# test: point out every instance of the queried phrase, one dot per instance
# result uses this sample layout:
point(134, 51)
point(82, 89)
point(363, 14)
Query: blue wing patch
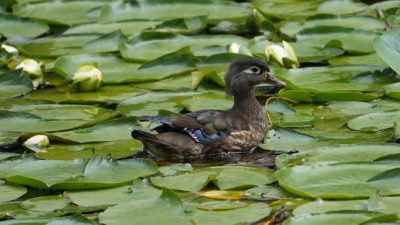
point(199, 136)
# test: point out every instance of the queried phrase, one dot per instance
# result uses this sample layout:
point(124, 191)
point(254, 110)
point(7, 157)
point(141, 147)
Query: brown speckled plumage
point(205, 132)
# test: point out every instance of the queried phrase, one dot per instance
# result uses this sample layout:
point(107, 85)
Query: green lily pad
point(26, 222)
point(107, 93)
point(126, 27)
point(341, 7)
point(79, 174)
point(116, 71)
point(224, 177)
point(375, 203)
point(188, 25)
point(10, 192)
point(167, 207)
point(13, 83)
point(221, 205)
point(141, 47)
point(49, 117)
point(287, 9)
point(349, 39)
point(237, 177)
point(63, 12)
point(375, 121)
point(150, 104)
point(46, 203)
point(192, 182)
point(140, 190)
point(387, 46)
point(55, 45)
point(265, 193)
point(13, 26)
point(243, 215)
point(334, 218)
point(341, 154)
point(359, 22)
point(10, 162)
point(336, 79)
point(343, 180)
point(179, 83)
point(288, 140)
point(369, 59)
point(74, 219)
point(166, 10)
point(111, 130)
point(116, 149)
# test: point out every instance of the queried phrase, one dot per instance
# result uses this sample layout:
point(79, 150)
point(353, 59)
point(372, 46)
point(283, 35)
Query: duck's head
point(245, 73)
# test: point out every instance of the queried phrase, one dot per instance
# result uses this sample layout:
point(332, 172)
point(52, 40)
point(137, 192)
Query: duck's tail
point(143, 136)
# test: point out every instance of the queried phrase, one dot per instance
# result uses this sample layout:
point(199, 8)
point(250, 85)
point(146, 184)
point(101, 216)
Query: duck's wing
point(203, 126)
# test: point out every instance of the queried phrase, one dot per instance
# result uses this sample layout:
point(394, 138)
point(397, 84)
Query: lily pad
point(375, 121)
point(387, 46)
point(140, 190)
point(369, 59)
point(13, 26)
point(13, 83)
point(252, 213)
point(340, 7)
point(63, 12)
point(359, 22)
point(141, 47)
point(288, 140)
point(336, 78)
point(150, 104)
point(343, 180)
point(126, 27)
point(224, 177)
point(111, 130)
point(334, 218)
point(42, 118)
point(374, 203)
point(45, 203)
point(108, 93)
point(342, 154)
point(117, 71)
point(79, 174)
point(10, 192)
point(52, 46)
point(116, 149)
point(193, 182)
point(288, 9)
point(221, 205)
point(351, 40)
point(167, 207)
point(166, 10)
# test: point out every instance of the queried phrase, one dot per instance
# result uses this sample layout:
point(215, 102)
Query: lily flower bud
point(237, 48)
point(37, 143)
point(31, 67)
point(87, 77)
point(9, 49)
point(284, 55)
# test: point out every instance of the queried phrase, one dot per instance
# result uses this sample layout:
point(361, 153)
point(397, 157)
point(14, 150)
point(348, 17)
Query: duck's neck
point(247, 106)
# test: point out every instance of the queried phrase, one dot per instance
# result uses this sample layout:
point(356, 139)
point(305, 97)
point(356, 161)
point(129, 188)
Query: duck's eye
point(255, 69)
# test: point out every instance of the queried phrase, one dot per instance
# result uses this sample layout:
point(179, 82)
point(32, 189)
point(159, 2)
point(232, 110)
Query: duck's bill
point(271, 79)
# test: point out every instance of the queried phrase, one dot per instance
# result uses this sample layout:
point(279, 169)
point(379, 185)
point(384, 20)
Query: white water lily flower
point(284, 55)
point(31, 67)
point(9, 49)
point(37, 143)
point(88, 77)
point(237, 48)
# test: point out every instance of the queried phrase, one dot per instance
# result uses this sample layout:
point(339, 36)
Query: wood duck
point(209, 132)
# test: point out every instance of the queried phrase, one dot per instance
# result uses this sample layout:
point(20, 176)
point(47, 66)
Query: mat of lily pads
point(336, 124)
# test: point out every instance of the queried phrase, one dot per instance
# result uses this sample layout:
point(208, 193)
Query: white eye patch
point(252, 70)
